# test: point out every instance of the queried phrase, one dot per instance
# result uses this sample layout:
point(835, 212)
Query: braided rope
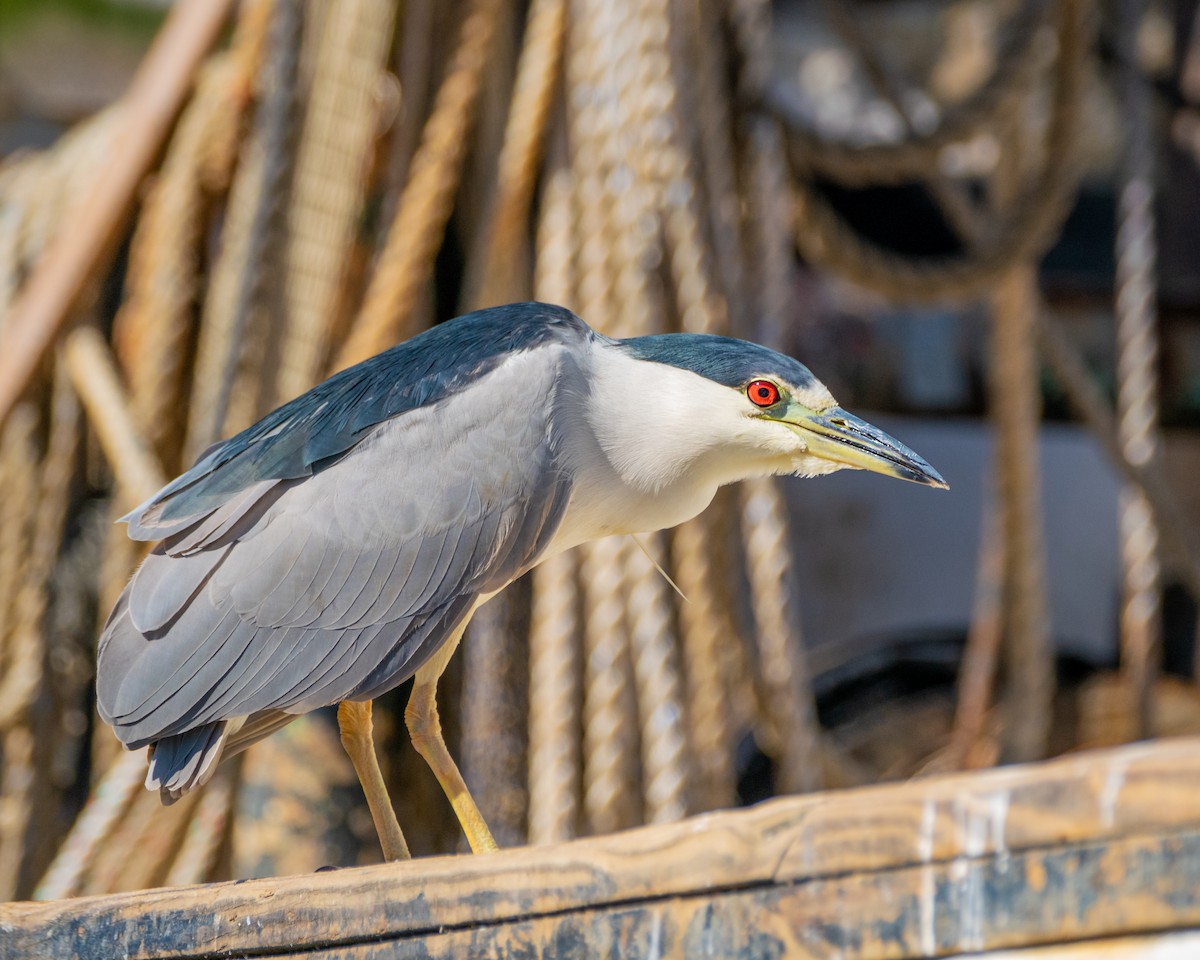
point(1089, 401)
point(426, 200)
point(610, 733)
point(153, 329)
point(554, 712)
point(496, 675)
point(789, 729)
point(218, 316)
point(644, 88)
point(789, 703)
point(244, 393)
point(555, 662)
point(609, 707)
point(708, 101)
point(23, 672)
point(14, 518)
point(247, 50)
point(703, 632)
point(669, 170)
point(666, 766)
point(18, 449)
point(327, 188)
point(494, 707)
point(1137, 381)
point(155, 832)
point(538, 73)
point(951, 197)
point(719, 696)
point(16, 779)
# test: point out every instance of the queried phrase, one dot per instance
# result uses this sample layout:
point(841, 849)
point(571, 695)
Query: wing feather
point(343, 582)
point(165, 585)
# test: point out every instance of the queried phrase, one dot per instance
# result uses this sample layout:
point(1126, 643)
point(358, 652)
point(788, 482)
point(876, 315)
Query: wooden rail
point(1098, 850)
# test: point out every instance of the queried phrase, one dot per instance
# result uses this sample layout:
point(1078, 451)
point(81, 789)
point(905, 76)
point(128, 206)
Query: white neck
point(652, 443)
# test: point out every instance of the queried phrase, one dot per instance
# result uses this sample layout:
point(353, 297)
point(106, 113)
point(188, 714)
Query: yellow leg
point(426, 732)
point(354, 722)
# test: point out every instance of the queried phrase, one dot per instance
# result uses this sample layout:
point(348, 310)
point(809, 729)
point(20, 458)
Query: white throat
point(655, 443)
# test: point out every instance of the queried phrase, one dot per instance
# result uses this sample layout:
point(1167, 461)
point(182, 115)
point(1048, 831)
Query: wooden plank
point(1086, 847)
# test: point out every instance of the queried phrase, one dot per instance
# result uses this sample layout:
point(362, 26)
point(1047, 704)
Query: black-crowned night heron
point(339, 546)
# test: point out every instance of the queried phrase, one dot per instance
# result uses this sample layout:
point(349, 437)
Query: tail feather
point(185, 761)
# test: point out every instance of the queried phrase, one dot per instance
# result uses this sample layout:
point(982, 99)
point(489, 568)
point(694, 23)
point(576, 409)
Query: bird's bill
point(841, 437)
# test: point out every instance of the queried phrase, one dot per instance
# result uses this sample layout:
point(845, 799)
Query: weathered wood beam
point(1092, 846)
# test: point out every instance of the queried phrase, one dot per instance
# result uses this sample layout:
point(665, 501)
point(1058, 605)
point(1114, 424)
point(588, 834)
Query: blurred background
point(975, 220)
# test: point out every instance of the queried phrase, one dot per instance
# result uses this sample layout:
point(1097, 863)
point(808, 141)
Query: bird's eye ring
point(762, 393)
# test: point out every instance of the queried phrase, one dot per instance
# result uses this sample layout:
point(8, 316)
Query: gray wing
point(297, 593)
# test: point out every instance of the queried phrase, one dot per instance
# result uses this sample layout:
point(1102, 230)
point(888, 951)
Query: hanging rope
point(789, 728)
point(424, 205)
point(341, 122)
point(1016, 408)
point(1137, 378)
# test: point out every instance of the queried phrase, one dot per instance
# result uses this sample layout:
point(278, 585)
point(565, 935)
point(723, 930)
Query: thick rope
point(981, 656)
point(538, 73)
point(333, 154)
point(155, 832)
point(555, 657)
point(719, 700)
point(789, 702)
point(39, 190)
point(708, 101)
point(425, 203)
point(1015, 403)
point(229, 276)
point(24, 670)
point(647, 93)
point(704, 632)
point(1089, 401)
point(18, 451)
point(665, 758)
point(494, 708)
point(555, 673)
point(30, 740)
point(1137, 381)
point(952, 198)
point(610, 736)
point(14, 519)
point(243, 392)
point(206, 831)
point(154, 327)
point(790, 729)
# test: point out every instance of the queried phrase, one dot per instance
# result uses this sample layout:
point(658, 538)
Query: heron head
point(771, 413)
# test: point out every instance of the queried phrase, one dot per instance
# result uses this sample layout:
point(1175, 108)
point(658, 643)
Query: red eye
point(762, 393)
